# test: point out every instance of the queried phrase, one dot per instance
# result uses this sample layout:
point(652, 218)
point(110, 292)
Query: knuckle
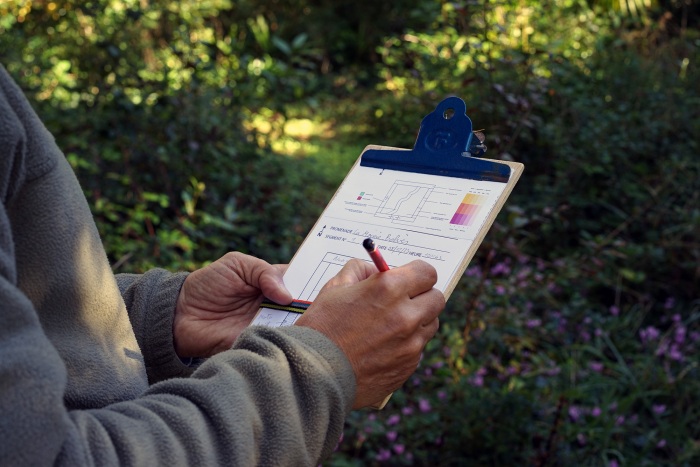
point(430, 272)
point(417, 346)
point(353, 263)
point(388, 286)
point(233, 255)
point(425, 269)
point(401, 329)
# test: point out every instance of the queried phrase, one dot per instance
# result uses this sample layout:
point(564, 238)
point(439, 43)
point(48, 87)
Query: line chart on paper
point(404, 201)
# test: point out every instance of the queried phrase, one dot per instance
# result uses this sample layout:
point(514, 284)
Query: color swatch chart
point(468, 209)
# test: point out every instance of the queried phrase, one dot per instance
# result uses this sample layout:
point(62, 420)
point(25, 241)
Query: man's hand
point(381, 321)
point(218, 301)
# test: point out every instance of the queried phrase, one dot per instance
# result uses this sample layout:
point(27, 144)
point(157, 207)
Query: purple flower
point(596, 412)
point(392, 435)
point(574, 413)
point(553, 371)
point(695, 336)
point(407, 411)
point(596, 366)
point(676, 318)
point(399, 449)
point(500, 268)
point(613, 463)
point(424, 405)
point(533, 323)
point(670, 302)
point(477, 380)
point(679, 335)
point(393, 420)
point(442, 395)
point(614, 310)
point(439, 364)
point(674, 353)
point(661, 444)
point(472, 271)
point(383, 455)
point(650, 333)
point(500, 290)
point(620, 420)
point(661, 349)
point(523, 273)
point(658, 409)
point(581, 438)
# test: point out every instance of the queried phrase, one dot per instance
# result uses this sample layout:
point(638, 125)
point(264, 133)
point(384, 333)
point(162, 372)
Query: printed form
point(408, 215)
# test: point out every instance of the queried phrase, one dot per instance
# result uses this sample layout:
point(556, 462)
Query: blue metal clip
point(445, 146)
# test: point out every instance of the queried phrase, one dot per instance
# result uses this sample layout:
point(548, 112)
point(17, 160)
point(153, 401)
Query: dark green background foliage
point(198, 127)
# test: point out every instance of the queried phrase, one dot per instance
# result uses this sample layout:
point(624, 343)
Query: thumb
point(272, 285)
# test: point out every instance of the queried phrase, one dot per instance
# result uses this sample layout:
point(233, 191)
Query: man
point(91, 365)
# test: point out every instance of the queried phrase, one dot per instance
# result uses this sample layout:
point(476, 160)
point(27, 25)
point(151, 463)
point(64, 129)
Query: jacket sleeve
point(150, 300)
point(279, 397)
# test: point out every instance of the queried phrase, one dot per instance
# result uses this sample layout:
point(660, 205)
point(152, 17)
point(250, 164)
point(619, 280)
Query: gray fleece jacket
point(88, 372)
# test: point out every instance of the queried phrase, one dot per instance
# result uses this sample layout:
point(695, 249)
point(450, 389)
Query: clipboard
point(435, 202)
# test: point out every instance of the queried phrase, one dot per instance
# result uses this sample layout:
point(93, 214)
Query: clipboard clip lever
point(446, 145)
point(476, 147)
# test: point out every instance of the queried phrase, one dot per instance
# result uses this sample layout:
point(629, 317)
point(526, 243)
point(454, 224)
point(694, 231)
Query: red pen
point(374, 253)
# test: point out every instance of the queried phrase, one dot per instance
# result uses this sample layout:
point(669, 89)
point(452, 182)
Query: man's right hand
point(381, 321)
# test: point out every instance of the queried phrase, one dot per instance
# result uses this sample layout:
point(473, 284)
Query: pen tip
point(368, 243)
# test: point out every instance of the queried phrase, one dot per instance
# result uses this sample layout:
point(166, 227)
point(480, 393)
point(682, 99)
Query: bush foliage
point(198, 127)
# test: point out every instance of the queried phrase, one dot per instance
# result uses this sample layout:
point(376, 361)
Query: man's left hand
point(218, 301)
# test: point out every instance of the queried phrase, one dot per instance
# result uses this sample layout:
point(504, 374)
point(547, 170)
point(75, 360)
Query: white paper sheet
point(408, 215)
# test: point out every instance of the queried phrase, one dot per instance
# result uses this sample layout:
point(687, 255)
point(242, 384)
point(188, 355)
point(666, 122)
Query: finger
point(431, 304)
point(414, 278)
point(259, 274)
point(429, 330)
point(353, 272)
point(281, 267)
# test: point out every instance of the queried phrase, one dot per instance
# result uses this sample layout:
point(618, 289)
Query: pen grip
point(378, 260)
